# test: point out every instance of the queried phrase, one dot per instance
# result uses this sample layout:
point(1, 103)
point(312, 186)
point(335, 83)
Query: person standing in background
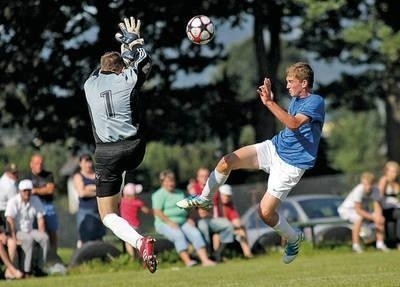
point(130, 207)
point(88, 220)
point(45, 188)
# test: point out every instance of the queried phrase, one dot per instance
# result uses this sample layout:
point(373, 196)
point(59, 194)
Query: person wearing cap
point(88, 220)
point(130, 207)
point(8, 189)
point(21, 212)
point(224, 207)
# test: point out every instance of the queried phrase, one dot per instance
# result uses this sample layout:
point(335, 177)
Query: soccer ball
point(200, 30)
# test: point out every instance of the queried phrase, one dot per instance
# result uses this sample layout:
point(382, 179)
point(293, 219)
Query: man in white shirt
point(8, 189)
point(21, 212)
point(363, 204)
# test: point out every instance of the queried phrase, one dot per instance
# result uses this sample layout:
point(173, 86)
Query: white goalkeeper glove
point(130, 29)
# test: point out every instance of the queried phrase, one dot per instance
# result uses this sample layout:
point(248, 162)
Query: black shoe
point(218, 254)
point(39, 273)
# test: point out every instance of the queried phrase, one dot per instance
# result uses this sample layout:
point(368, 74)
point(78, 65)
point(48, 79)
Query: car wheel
point(94, 250)
point(266, 242)
point(334, 236)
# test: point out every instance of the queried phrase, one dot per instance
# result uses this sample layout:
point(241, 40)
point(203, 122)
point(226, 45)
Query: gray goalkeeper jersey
point(114, 100)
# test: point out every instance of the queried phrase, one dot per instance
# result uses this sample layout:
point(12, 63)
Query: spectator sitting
point(7, 244)
point(21, 211)
point(173, 222)
point(389, 188)
point(356, 209)
point(130, 207)
point(224, 207)
point(195, 187)
point(219, 230)
point(89, 223)
point(8, 189)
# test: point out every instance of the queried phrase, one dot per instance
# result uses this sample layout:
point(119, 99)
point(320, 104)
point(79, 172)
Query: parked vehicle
point(316, 214)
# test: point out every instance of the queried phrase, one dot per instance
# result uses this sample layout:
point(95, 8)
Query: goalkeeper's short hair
point(112, 62)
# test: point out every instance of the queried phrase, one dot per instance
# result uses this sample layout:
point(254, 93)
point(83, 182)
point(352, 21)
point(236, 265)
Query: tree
point(355, 148)
point(361, 33)
point(46, 64)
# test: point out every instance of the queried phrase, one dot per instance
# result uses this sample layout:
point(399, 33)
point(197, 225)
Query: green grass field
point(314, 267)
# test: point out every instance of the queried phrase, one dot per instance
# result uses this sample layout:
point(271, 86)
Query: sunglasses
point(27, 190)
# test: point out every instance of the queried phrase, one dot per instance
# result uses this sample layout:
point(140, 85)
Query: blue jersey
point(299, 147)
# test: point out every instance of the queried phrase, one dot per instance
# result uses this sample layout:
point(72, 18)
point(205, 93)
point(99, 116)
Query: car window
point(321, 207)
point(287, 210)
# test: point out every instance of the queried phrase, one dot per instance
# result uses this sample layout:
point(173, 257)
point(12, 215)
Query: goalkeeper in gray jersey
point(112, 94)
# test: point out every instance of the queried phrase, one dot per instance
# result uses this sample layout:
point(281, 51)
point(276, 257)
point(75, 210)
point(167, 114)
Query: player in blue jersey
point(286, 157)
point(112, 94)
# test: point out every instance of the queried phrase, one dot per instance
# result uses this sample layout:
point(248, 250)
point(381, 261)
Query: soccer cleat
point(146, 252)
point(292, 249)
point(194, 201)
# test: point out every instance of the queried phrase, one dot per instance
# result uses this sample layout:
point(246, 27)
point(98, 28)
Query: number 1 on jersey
point(108, 103)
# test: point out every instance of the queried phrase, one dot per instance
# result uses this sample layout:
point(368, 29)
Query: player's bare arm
point(267, 98)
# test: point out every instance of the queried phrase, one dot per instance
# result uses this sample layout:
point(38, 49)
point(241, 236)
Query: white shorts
point(282, 176)
point(349, 214)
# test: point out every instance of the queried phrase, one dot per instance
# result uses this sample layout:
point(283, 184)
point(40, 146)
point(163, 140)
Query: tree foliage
point(363, 33)
point(356, 142)
point(46, 64)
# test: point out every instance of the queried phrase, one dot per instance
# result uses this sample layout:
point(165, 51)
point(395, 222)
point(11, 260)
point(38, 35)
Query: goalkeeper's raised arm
point(132, 50)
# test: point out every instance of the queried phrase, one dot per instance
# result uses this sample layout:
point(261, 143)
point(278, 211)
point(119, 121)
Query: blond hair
point(368, 177)
point(301, 71)
point(391, 164)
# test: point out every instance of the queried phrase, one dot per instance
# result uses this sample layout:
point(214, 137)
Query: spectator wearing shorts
point(357, 209)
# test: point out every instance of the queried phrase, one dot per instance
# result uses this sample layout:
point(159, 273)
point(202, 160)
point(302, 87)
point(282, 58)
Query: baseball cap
point(225, 189)
point(132, 189)
point(11, 167)
point(25, 184)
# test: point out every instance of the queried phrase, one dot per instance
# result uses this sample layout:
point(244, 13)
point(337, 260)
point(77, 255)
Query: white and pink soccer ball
point(200, 30)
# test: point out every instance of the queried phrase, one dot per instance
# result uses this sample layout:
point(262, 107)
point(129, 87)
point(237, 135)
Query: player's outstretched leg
point(146, 252)
point(292, 249)
point(193, 202)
